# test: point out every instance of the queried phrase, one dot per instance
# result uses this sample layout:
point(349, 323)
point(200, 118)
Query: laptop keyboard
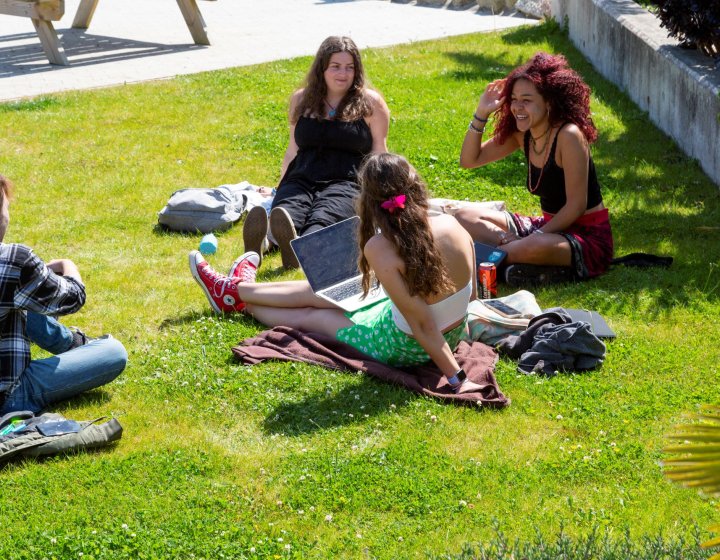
point(345, 290)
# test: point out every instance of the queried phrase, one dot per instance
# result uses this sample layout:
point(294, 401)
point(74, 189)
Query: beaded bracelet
point(476, 130)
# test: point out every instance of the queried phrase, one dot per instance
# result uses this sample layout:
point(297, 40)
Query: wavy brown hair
point(381, 177)
point(559, 85)
point(356, 103)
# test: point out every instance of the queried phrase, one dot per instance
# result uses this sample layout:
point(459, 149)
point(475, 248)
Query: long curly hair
point(559, 85)
point(381, 177)
point(354, 105)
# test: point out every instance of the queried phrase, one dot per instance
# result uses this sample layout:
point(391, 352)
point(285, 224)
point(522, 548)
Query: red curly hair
point(559, 85)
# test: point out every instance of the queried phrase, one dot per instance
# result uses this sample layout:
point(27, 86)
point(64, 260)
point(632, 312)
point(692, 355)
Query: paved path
point(138, 40)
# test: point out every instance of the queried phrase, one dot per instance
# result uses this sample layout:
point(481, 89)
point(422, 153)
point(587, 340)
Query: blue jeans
point(66, 374)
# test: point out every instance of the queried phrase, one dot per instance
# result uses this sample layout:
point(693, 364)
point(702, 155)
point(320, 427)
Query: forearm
point(284, 166)
point(472, 143)
point(566, 217)
point(46, 290)
point(433, 342)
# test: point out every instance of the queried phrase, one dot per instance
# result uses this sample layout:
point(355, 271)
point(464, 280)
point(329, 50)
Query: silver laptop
point(329, 259)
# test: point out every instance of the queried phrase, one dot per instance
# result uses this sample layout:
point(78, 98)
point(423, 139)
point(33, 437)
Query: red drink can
point(487, 280)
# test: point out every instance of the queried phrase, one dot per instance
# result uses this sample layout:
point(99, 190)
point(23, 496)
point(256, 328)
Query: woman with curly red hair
point(542, 107)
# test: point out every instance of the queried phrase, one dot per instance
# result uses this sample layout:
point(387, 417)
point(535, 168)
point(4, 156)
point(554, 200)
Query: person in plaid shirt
point(31, 292)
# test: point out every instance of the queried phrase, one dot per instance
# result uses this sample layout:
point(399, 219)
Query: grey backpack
point(203, 210)
point(22, 434)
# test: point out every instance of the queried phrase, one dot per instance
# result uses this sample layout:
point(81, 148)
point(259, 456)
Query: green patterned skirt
point(376, 334)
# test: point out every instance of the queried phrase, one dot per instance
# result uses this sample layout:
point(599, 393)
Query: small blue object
point(208, 244)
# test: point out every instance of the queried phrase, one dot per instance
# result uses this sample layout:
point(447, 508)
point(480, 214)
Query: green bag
point(22, 434)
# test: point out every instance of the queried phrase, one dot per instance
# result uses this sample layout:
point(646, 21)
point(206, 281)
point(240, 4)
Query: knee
point(468, 216)
point(114, 354)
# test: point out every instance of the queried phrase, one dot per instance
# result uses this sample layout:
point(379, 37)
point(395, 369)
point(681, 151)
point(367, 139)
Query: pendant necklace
point(534, 140)
point(332, 111)
point(542, 169)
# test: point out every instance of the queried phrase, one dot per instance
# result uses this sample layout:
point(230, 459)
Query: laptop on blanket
point(329, 259)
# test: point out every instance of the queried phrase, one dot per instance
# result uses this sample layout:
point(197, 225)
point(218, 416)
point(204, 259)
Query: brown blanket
point(283, 343)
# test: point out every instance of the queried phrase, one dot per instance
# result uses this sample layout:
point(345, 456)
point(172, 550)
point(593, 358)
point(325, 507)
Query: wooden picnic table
point(44, 12)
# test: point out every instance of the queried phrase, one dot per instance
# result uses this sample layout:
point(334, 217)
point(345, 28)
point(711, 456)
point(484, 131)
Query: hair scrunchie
point(394, 203)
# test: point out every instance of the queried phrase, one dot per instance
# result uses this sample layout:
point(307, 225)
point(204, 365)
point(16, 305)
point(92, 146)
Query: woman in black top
point(335, 121)
point(543, 107)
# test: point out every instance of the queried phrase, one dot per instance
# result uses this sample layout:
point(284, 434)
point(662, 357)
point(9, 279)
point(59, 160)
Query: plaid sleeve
point(42, 291)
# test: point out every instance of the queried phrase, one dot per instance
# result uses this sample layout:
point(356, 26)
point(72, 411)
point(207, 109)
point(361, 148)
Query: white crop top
point(445, 312)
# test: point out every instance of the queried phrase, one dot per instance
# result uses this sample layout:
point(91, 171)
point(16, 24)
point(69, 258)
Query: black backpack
point(22, 434)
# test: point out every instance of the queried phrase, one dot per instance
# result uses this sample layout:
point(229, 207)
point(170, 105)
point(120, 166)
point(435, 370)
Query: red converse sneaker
point(245, 267)
point(221, 291)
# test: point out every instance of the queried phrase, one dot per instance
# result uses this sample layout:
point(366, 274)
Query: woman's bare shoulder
point(379, 250)
point(570, 133)
point(377, 101)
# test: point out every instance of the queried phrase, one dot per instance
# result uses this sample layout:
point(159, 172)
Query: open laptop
point(329, 259)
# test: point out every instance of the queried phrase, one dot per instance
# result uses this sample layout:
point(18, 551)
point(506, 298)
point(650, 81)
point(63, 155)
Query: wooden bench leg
point(194, 21)
point(84, 14)
point(50, 42)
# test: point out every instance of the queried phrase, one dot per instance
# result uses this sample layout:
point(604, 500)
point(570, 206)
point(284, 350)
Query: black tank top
point(551, 189)
point(329, 150)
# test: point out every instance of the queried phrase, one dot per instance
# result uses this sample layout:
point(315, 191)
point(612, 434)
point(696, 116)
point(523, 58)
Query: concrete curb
point(679, 89)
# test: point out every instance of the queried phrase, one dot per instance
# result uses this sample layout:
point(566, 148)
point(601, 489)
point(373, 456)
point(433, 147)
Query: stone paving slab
point(138, 40)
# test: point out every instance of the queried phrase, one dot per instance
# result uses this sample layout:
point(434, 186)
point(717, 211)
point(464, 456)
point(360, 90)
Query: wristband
point(479, 119)
point(457, 378)
point(475, 129)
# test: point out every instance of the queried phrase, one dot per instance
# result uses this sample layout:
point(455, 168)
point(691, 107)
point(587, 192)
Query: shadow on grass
point(90, 398)
point(20, 461)
point(660, 201)
point(323, 411)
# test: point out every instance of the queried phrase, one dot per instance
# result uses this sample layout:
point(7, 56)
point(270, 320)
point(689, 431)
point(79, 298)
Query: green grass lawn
point(284, 460)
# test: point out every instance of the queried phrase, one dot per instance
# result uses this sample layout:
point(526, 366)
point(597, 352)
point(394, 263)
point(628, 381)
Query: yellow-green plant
point(696, 461)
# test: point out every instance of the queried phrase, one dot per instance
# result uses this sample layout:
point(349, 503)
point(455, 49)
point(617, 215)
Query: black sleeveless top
point(551, 189)
point(328, 150)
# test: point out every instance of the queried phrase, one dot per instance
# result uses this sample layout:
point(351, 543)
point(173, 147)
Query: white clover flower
point(329, 517)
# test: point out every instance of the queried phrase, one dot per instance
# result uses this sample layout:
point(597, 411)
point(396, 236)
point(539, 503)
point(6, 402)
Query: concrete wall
point(678, 88)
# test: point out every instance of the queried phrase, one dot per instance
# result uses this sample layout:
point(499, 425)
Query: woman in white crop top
point(426, 265)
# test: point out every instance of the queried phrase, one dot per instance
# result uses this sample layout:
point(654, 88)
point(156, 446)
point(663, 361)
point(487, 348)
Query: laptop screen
point(329, 256)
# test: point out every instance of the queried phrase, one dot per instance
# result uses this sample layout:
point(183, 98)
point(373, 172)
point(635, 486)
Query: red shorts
point(590, 239)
